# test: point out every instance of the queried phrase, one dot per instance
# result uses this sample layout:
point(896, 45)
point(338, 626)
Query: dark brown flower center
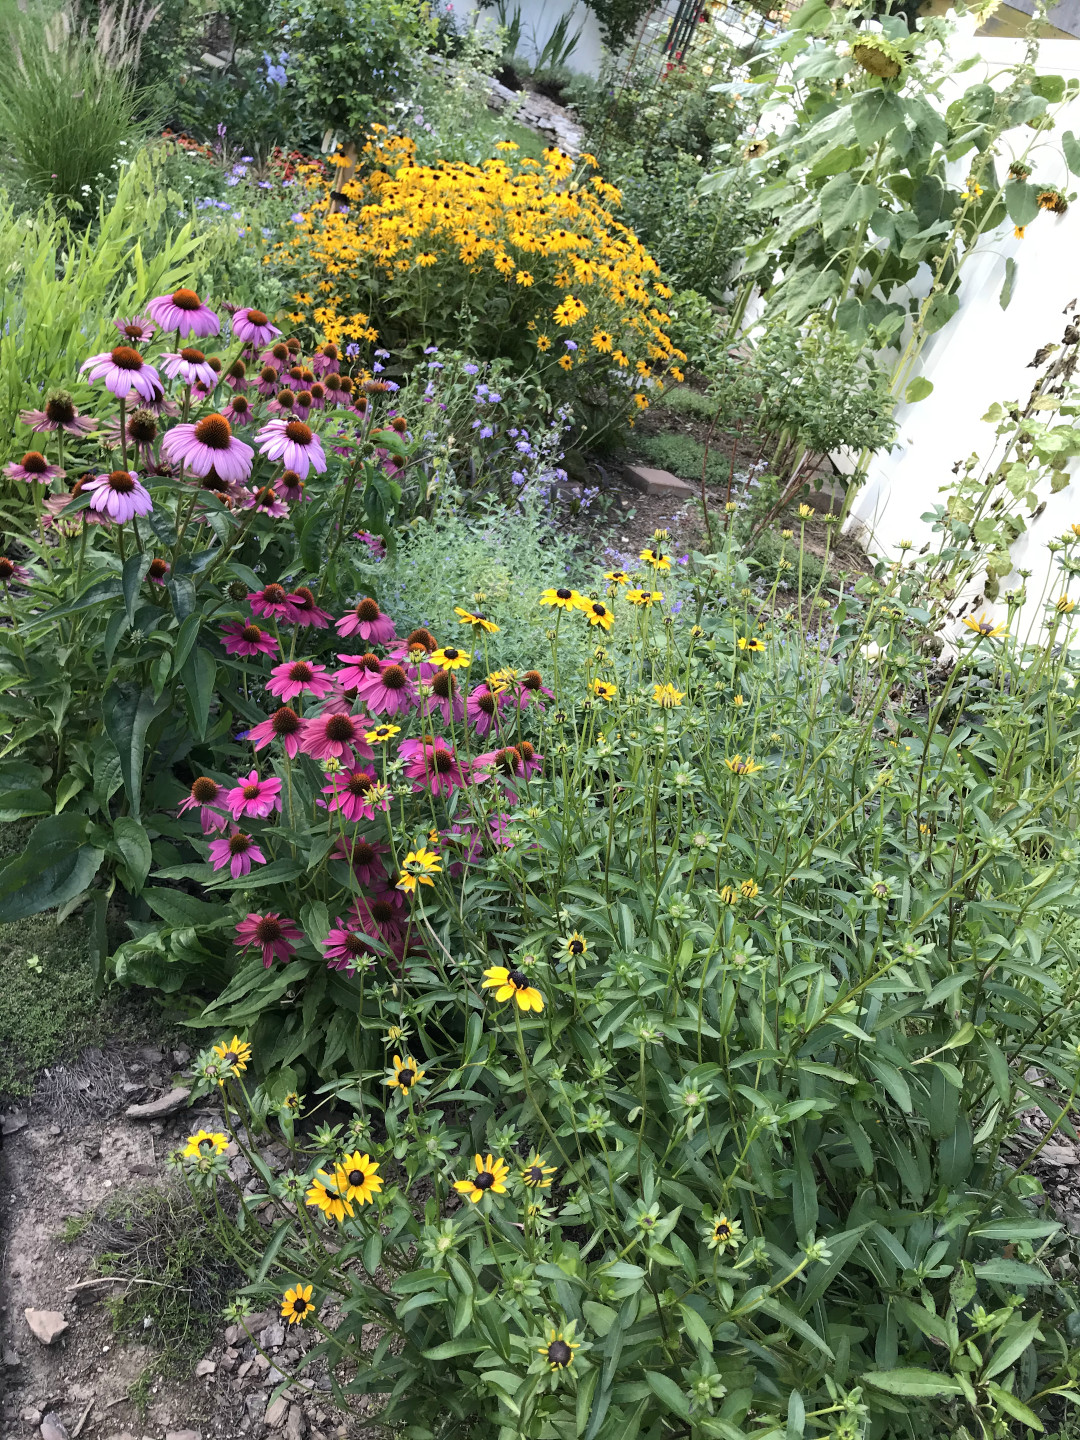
point(559, 1353)
point(485, 701)
point(422, 637)
point(285, 399)
point(359, 785)
point(191, 355)
point(238, 844)
point(508, 760)
point(364, 853)
point(394, 677)
point(532, 680)
point(340, 728)
point(354, 944)
point(240, 405)
point(214, 431)
point(237, 370)
point(280, 351)
point(289, 480)
point(275, 594)
point(158, 568)
point(303, 399)
point(382, 911)
point(268, 374)
point(525, 750)
point(186, 300)
point(134, 331)
point(356, 1177)
point(34, 462)
point(330, 352)
point(345, 384)
point(256, 317)
point(268, 930)
point(332, 381)
point(518, 979)
point(442, 760)
point(299, 433)
point(442, 684)
point(300, 669)
point(142, 427)
point(251, 792)
point(205, 790)
point(535, 1175)
point(317, 391)
point(125, 358)
point(302, 598)
point(484, 1180)
point(285, 721)
point(60, 409)
point(564, 594)
point(7, 568)
point(400, 424)
point(293, 347)
point(367, 610)
point(295, 372)
point(251, 633)
point(451, 653)
point(266, 497)
point(121, 482)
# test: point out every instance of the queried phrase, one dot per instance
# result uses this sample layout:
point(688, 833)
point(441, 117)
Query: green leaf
point(875, 114)
point(450, 1349)
point(17, 804)
point(668, 1393)
point(1011, 1272)
point(940, 311)
point(95, 595)
point(1013, 1346)
point(1021, 201)
point(199, 673)
point(911, 1381)
point(56, 865)
point(788, 1318)
point(1014, 1407)
point(278, 872)
point(1005, 296)
point(918, 389)
point(135, 567)
point(184, 911)
point(1071, 146)
point(796, 1417)
point(844, 204)
point(696, 1327)
point(134, 845)
point(127, 712)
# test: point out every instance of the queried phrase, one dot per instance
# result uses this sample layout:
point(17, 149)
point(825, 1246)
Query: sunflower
point(667, 697)
point(723, 1233)
point(536, 1174)
point(490, 1176)
point(217, 1142)
point(655, 559)
point(604, 690)
point(234, 1055)
point(478, 622)
point(597, 613)
point(561, 598)
point(514, 984)
point(381, 733)
point(406, 1074)
point(559, 1351)
point(323, 1195)
point(417, 869)
point(984, 626)
point(738, 766)
point(297, 1304)
point(450, 658)
point(357, 1178)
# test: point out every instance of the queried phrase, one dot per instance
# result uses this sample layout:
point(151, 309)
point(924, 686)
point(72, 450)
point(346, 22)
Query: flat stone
point(31, 1415)
point(53, 1428)
point(272, 1337)
point(46, 1324)
point(11, 1359)
point(167, 1104)
point(204, 1367)
point(13, 1121)
point(182, 1435)
point(656, 482)
point(276, 1412)
point(294, 1426)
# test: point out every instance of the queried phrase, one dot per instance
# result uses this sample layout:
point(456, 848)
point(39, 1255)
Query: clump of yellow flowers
point(514, 257)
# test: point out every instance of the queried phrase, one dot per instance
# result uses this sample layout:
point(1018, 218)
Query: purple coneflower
point(485, 708)
point(206, 796)
point(238, 411)
point(208, 445)
point(389, 692)
point(253, 327)
point(283, 403)
point(379, 915)
point(268, 382)
point(123, 371)
point(184, 312)
point(327, 359)
point(444, 697)
point(302, 405)
point(271, 602)
point(139, 330)
point(357, 670)
point(253, 797)
point(297, 676)
point(345, 949)
point(121, 496)
point(318, 395)
point(236, 375)
point(33, 467)
point(12, 573)
point(265, 500)
point(247, 640)
point(158, 570)
point(365, 856)
point(191, 366)
point(304, 611)
point(277, 357)
point(289, 486)
point(336, 736)
point(159, 403)
point(284, 725)
point(238, 851)
point(276, 936)
point(375, 543)
point(293, 443)
point(350, 792)
point(529, 689)
point(434, 766)
point(59, 414)
point(368, 621)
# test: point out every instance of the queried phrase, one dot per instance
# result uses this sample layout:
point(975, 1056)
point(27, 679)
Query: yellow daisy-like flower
point(425, 259)
point(738, 766)
point(406, 1074)
point(574, 946)
point(490, 1178)
point(644, 597)
point(667, 697)
point(381, 733)
point(507, 145)
point(641, 401)
point(655, 559)
point(617, 577)
point(566, 362)
point(738, 700)
point(450, 658)
point(749, 890)
point(217, 1142)
point(805, 512)
point(620, 359)
point(1019, 232)
point(602, 341)
point(523, 278)
point(561, 598)
point(543, 342)
point(536, 1174)
point(604, 690)
point(754, 645)
point(500, 680)
point(357, 1178)
point(297, 1304)
point(513, 984)
point(1064, 606)
point(984, 626)
point(323, 1195)
point(973, 191)
point(417, 869)
point(723, 1234)
point(235, 1054)
point(597, 613)
point(559, 1352)
point(478, 622)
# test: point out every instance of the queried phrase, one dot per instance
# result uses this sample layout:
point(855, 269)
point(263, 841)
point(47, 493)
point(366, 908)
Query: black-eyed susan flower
point(543, 342)
point(357, 1178)
point(234, 1054)
point(738, 766)
point(1019, 231)
point(381, 733)
point(417, 869)
point(749, 890)
point(602, 341)
point(561, 597)
point(204, 1143)
point(597, 613)
point(574, 946)
point(406, 1074)
point(645, 598)
point(805, 512)
point(323, 1195)
point(984, 626)
point(451, 658)
point(667, 697)
point(655, 558)
point(723, 1234)
point(513, 984)
point(477, 621)
point(537, 1174)
point(604, 690)
point(752, 646)
point(1064, 606)
point(297, 1304)
point(641, 401)
point(490, 1178)
point(559, 1350)
point(566, 362)
point(617, 577)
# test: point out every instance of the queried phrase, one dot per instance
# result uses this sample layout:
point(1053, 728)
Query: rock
point(31, 1416)
point(53, 1428)
point(167, 1104)
point(233, 1334)
point(13, 1121)
point(656, 482)
point(46, 1324)
point(150, 1055)
point(182, 1435)
point(181, 1055)
point(276, 1412)
point(204, 1367)
point(294, 1426)
point(272, 1337)
point(11, 1358)
point(120, 1435)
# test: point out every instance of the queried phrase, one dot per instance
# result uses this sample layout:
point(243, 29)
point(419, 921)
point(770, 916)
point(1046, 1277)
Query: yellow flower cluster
point(543, 234)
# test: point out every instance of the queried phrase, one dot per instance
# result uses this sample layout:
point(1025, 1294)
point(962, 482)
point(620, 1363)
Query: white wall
point(539, 18)
point(982, 355)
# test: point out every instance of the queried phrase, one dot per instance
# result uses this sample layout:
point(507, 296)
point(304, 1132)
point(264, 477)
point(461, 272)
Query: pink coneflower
point(265, 500)
point(365, 857)
point(253, 797)
point(375, 543)
point(336, 393)
point(415, 647)
point(159, 404)
point(302, 404)
point(346, 949)
point(293, 443)
point(276, 936)
point(12, 573)
point(283, 404)
point(335, 736)
point(184, 312)
point(318, 395)
point(357, 671)
point(380, 915)
point(247, 640)
point(508, 765)
point(390, 692)
point(238, 851)
point(284, 725)
point(499, 828)
point(444, 697)
point(158, 570)
point(351, 793)
point(33, 467)
point(297, 377)
point(236, 376)
point(253, 327)
point(290, 487)
point(59, 414)
point(121, 496)
point(206, 796)
point(238, 411)
point(484, 708)
point(297, 676)
point(304, 611)
point(272, 602)
point(368, 621)
point(277, 357)
point(123, 371)
point(530, 687)
point(208, 445)
point(139, 330)
point(267, 383)
point(434, 766)
point(191, 366)
point(326, 360)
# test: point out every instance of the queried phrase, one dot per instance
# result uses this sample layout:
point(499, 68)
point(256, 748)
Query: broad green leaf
point(918, 389)
point(178, 908)
point(134, 844)
point(18, 804)
point(875, 114)
point(56, 865)
point(127, 712)
point(910, 1380)
point(1071, 147)
point(1013, 1346)
point(1021, 201)
point(668, 1393)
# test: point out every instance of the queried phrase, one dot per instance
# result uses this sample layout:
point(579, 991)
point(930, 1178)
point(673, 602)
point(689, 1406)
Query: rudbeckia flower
point(478, 622)
point(738, 766)
point(490, 1178)
point(323, 1195)
point(561, 598)
point(604, 690)
point(536, 1174)
point(513, 984)
point(215, 1142)
point(559, 1350)
point(297, 1304)
point(984, 626)
point(357, 1178)
point(655, 559)
point(597, 613)
point(450, 658)
point(405, 1075)
point(234, 1054)
point(417, 869)
point(667, 697)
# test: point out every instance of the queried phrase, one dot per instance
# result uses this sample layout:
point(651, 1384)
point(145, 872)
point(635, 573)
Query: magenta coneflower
point(265, 500)
point(510, 764)
point(302, 404)
point(276, 936)
point(238, 411)
point(444, 697)
point(236, 375)
point(253, 797)
point(206, 796)
point(357, 670)
point(158, 570)
point(290, 487)
point(185, 312)
point(296, 677)
point(12, 573)
point(238, 851)
point(380, 915)
point(293, 443)
point(284, 725)
point(434, 766)
point(368, 621)
point(59, 414)
point(139, 330)
point(267, 383)
point(346, 949)
point(121, 496)
point(283, 403)
point(365, 857)
point(247, 640)
point(208, 445)
point(318, 395)
point(484, 708)
point(189, 365)
point(159, 404)
point(253, 327)
point(335, 736)
point(277, 357)
point(123, 371)
point(351, 793)
point(304, 611)
point(33, 467)
point(295, 377)
point(272, 602)
point(530, 687)
point(327, 359)
point(390, 692)
point(336, 393)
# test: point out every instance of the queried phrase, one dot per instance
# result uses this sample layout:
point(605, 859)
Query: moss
point(683, 456)
point(47, 1001)
point(684, 401)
